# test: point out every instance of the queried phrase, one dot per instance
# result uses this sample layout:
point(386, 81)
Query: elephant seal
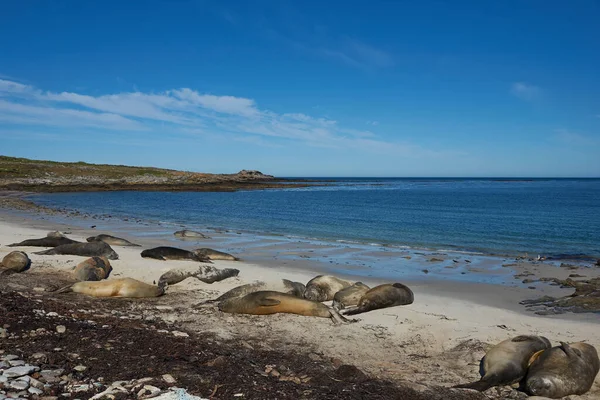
point(14, 263)
point(507, 362)
point(98, 249)
point(205, 273)
point(349, 296)
point(215, 255)
point(48, 241)
point(56, 234)
point(112, 240)
point(383, 296)
point(172, 253)
point(266, 302)
point(190, 234)
point(93, 269)
point(563, 370)
point(295, 289)
point(125, 287)
point(324, 287)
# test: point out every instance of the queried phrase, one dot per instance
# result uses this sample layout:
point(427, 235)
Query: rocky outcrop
point(586, 298)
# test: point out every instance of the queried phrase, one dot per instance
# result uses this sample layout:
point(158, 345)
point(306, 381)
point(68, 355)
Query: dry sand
point(437, 340)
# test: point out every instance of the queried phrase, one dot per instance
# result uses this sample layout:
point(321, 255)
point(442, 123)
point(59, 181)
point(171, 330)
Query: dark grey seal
point(93, 269)
point(14, 263)
point(97, 249)
point(112, 240)
point(282, 286)
point(45, 242)
point(173, 253)
point(383, 296)
point(187, 234)
point(215, 254)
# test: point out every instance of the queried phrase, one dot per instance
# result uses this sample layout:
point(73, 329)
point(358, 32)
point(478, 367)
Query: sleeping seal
point(205, 273)
point(324, 287)
point(383, 296)
point(295, 289)
point(112, 240)
point(190, 234)
point(349, 296)
point(48, 241)
point(172, 253)
point(563, 370)
point(93, 269)
point(125, 287)
point(56, 234)
point(14, 263)
point(215, 255)
point(266, 302)
point(98, 249)
point(507, 362)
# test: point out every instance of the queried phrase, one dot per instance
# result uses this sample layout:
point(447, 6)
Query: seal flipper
point(338, 318)
point(480, 386)
point(65, 289)
point(356, 310)
point(571, 352)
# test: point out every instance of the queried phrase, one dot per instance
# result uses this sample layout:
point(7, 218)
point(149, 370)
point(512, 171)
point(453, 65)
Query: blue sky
point(305, 88)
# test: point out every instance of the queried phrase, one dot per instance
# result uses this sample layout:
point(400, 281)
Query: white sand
point(413, 343)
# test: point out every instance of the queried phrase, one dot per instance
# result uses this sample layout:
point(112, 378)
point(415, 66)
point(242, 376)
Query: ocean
point(552, 217)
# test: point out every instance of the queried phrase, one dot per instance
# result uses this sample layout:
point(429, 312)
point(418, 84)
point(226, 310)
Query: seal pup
point(563, 370)
point(14, 263)
point(98, 249)
point(507, 362)
point(172, 253)
point(324, 287)
point(112, 240)
point(383, 296)
point(205, 273)
point(93, 269)
point(295, 289)
point(215, 254)
point(186, 233)
point(349, 296)
point(48, 241)
point(125, 287)
point(266, 302)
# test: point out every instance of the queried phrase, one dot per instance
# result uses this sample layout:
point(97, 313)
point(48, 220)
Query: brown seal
point(349, 296)
point(563, 370)
point(187, 234)
point(172, 253)
point(383, 296)
point(125, 287)
point(14, 263)
point(205, 273)
point(215, 254)
point(112, 240)
point(93, 269)
point(266, 302)
point(324, 287)
point(507, 362)
point(97, 249)
point(295, 289)
point(48, 241)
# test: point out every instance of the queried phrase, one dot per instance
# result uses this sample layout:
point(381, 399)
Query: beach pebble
point(16, 372)
point(61, 328)
point(10, 357)
point(19, 385)
point(180, 334)
point(16, 363)
point(35, 391)
point(169, 378)
point(80, 368)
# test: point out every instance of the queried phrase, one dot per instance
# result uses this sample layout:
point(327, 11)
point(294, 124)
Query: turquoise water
point(552, 217)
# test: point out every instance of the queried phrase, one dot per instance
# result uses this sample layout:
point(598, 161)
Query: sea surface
point(552, 217)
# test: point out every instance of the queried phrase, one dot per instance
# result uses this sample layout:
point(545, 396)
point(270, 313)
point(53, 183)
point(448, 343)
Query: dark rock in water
point(598, 262)
point(576, 276)
point(586, 298)
point(569, 266)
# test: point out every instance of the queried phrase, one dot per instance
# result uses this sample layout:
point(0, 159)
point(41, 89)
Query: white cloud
point(525, 91)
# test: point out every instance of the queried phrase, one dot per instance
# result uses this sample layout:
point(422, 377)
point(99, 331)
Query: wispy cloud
point(574, 138)
point(186, 113)
point(525, 91)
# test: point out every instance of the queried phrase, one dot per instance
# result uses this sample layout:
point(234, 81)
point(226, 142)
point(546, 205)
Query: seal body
point(215, 254)
point(295, 289)
point(383, 296)
point(172, 253)
point(93, 269)
point(98, 249)
point(266, 302)
point(55, 234)
point(563, 370)
point(190, 234)
point(112, 240)
point(205, 273)
point(507, 362)
point(126, 287)
point(324, 287)
point(15, 262)
point(350, 296)
point(48, 241)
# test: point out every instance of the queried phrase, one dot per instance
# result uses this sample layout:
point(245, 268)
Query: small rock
point(52, 314)
point(80, 368)
point(19, 385)
point(169, 378)
point(35, 383)
point(16, 372)
point(180, 334)
point(35, 391)
point(16, 363)
point(61, 328)
point(10, 357)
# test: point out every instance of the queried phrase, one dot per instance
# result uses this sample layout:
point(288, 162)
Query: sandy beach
point(438, 340)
